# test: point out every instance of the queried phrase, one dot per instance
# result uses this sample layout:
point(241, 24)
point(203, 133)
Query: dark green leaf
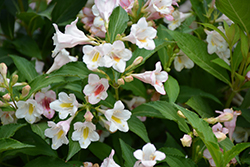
point(7, 22)
point(136, 126)
point(199, 9)
point(39, 128)
point(244, 44)
point(9, 130)
point(237, 57)
point(172, 88)
point(245, 103)
point(16, 6)
point(127, 154)
point(48, 162)
point(11, 144)
point(137, 87)
point(117, 24)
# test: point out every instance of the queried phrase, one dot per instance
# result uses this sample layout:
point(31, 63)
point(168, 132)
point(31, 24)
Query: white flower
point(7, 117)
point(241, 134)
point(163, 7)
point(58, 132)
point(219, 132)
point(216, 43)
point(65, 105)
point(85, 133)
point(224, 55)
point(182, 61)
point(224, 18)
point(61, 59)
point(96, 89)
point(118, 117)
point(109, 161)
point(142, 35)
point(148, 155)
point(186, 140)
point(178, 18)
point(105, 8)
point(155, 78)
point(29, 110)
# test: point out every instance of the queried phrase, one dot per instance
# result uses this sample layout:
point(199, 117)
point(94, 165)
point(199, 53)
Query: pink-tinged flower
point(72, 37)
point(38, 65)
point(127, 5)
point(87, 18)
point(58, 132)
point(224, 117)
point(186, 140)
point(119, 55)
point(220, 132)
point(84, 133)
point(7, 117)
point(163, 7)
point(96, 89)
point(65, 105)
point(148, 155)
point(142, 35)
point(241, 134)
point(109, 161)
point(230, 125)
point(105, 8)
point(61, 59)
point(185, 7)
point(182, 61)
point(29, 110)
point(3, 69)
point(44, 99)
point(118, 117)
point(155, 78)
point(94, 57)
point(248, 76)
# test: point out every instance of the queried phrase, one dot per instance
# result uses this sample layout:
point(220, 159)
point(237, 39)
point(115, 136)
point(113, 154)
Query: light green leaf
point(25, 67)
point(9, 130)
point(137, 87)
point(127, 154)
point(117, 24)
point(172, 88)
point(11, 144)
point(196, 50)
point(136, 126)
point(237, 11)
point(244, 44)
point(221, 63)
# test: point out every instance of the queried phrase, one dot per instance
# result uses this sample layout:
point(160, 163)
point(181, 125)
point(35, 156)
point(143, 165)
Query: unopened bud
point(186, 140)
point(6, 97)
point(195, 133)
point(225, 117)
point(3, 69)
point(88, 116)
point(120, 81)
point(248, 76)
point(129, 78)
point(137, 61)
point(181, 114)
point(14, 80)
point(211, 120)
point(95, 165)
point(25, 90)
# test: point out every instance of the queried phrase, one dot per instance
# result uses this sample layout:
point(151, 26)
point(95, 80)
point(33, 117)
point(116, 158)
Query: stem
point(229, 100)
point(116, 94)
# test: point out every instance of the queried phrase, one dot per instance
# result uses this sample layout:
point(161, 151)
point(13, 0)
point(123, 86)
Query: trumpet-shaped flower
point(109, 161)
point(135, 102)
point(96, 88)
point(163, 7)
point(127, 5)
point(44, 99)
point(224, 55)
point(85, 133)
point(65, 105)
point(29, 110)
point(148, 155)
point(186, 140)
point(118, 117)
point(182, 61)
point(241, 134)
point(105, 8)
point(7, 117)
point(142, 35)
point(61, 59)
point(58, 132)
point(220, 132)
point(155, 78)
point(72, 37)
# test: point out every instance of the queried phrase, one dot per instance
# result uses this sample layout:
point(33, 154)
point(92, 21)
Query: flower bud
point(129, 78)
point(225, 117)
point(211, 120)
point(3, 69)
point(25, 90)
point(195, 133)
point(120, 81)
point(186, 140)
point(137, 61)
point(181, 114)
point(6, 97)
point(248, 76)
point(14, 80)
point(88, 116)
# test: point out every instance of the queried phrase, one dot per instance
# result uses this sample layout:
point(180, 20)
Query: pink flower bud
point(129, 78)
point(211, 120)
point(6, 97)
point(137, 61)
point(248, 76)
point(181, 114)
point(25, 90)
point(3, 69)
point(120, 81)
point(225, 117)
point(88, 116)
point(14, 79)
point(186, 140)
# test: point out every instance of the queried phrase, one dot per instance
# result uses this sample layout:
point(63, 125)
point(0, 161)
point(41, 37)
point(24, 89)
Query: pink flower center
point(45, 103)
point(98, 89)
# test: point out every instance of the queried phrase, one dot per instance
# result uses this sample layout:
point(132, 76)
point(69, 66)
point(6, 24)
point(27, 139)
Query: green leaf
point(232, 33)
point(25, 67)
point(7, 22)
point(11, 144)
point(137, 87)
point(27, 46)
point(117, 24)
point(39, 128)
point(144, 110)
point(244, 44)
point(199, 9)
point(146, 53)
point(196, 50)
point(237, 11)
point(214, 28)
point(172, 88)
point(109, 101)
point(136, 126)
point(9, 130)
point(221, 63)
point(205, 133)
point(200, 106)
point(127, 154)
point(237, 57)
point(48, 162)
point(16, 6)
point(245, 103)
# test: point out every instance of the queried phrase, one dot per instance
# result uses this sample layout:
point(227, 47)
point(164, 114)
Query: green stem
point(116, 94)
point(229, 100)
